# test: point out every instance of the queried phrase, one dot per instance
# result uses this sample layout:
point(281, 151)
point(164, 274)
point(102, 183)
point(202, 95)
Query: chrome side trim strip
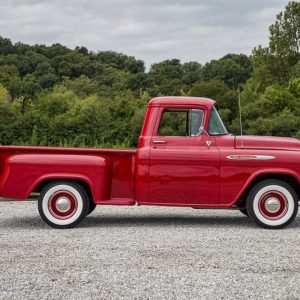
point(250, 157)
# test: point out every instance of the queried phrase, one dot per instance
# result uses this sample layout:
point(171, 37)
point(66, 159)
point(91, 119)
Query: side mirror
point(203, 130)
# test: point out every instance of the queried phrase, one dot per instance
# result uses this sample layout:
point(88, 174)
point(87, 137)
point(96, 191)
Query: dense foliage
point(52, 95)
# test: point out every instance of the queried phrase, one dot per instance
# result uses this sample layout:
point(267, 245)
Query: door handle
point(159, 142)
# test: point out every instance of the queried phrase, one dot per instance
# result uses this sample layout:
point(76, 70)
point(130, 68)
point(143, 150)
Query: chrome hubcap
point(63, 204)
point(272, 205)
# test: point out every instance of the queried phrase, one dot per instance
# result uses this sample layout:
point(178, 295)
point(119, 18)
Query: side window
point(181, 122)
point(174, 123)
point(196, 121)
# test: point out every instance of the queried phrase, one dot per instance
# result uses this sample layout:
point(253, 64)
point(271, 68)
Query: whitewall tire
point(63, 204)
point(272, 204)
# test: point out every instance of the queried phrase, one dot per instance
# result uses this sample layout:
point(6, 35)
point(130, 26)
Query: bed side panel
point(23, 172)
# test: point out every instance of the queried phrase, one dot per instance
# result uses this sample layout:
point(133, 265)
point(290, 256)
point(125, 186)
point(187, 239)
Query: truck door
point(184, 164)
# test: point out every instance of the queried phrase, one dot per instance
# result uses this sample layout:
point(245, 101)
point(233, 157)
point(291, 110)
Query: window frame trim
point(162, 109)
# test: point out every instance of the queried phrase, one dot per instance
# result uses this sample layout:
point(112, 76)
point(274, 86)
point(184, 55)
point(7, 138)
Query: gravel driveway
point(146, 253)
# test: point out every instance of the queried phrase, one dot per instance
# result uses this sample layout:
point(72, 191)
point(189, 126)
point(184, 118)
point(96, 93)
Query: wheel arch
point(83, 182)
point(287, 177)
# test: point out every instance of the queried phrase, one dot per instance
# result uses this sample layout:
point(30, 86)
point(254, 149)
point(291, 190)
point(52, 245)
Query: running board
point(117, 201)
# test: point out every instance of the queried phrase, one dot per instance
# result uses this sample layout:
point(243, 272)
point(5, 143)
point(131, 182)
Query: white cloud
point(151, 30)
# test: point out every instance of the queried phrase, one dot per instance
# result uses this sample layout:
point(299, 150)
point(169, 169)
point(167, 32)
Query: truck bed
point(121, 166)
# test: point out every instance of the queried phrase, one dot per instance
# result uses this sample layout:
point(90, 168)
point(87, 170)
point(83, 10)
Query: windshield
point(216, 126)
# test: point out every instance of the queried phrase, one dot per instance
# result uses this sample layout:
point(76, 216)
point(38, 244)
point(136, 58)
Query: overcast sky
point(151, 30)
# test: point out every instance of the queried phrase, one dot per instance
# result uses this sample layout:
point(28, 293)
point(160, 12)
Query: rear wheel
point(272, 204)
point(92, 207)
point(63, 204)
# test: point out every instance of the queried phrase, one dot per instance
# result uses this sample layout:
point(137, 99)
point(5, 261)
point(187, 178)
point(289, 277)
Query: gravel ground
point(146, 253)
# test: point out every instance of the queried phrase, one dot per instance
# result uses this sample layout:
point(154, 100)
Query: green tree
point(6, 117)
point(165, 78)
point(81, 86)
point(225, 97)
point(6, 46)
point(232, 69)
point(72, 64)
point(266, 115)
point(285, 34)
point(277, 61)
point(191, 73)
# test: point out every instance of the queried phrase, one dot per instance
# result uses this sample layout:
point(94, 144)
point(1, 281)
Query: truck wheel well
point(87, 188)
point(289, 179)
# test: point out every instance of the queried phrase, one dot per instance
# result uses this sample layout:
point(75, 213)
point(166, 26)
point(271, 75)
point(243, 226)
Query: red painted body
point(180, 171)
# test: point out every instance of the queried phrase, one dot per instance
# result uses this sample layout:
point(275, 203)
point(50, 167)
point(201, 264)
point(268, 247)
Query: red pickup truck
point(185, 157)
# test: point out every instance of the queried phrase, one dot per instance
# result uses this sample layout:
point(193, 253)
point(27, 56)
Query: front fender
point(23, 172)
point(265, 171)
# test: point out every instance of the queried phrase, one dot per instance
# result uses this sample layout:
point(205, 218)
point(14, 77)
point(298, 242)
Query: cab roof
point(176, 100)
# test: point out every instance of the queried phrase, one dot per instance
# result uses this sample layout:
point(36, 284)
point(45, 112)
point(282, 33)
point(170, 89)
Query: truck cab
point(179, 136)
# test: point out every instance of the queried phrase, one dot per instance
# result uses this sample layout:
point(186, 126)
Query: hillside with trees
point(56, 96)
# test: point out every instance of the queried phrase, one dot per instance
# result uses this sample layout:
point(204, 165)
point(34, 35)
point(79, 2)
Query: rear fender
point(24, 172)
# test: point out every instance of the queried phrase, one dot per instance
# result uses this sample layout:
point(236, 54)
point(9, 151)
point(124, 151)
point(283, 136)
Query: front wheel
point(272, 204)
point(244, 212)
point(63, 204)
